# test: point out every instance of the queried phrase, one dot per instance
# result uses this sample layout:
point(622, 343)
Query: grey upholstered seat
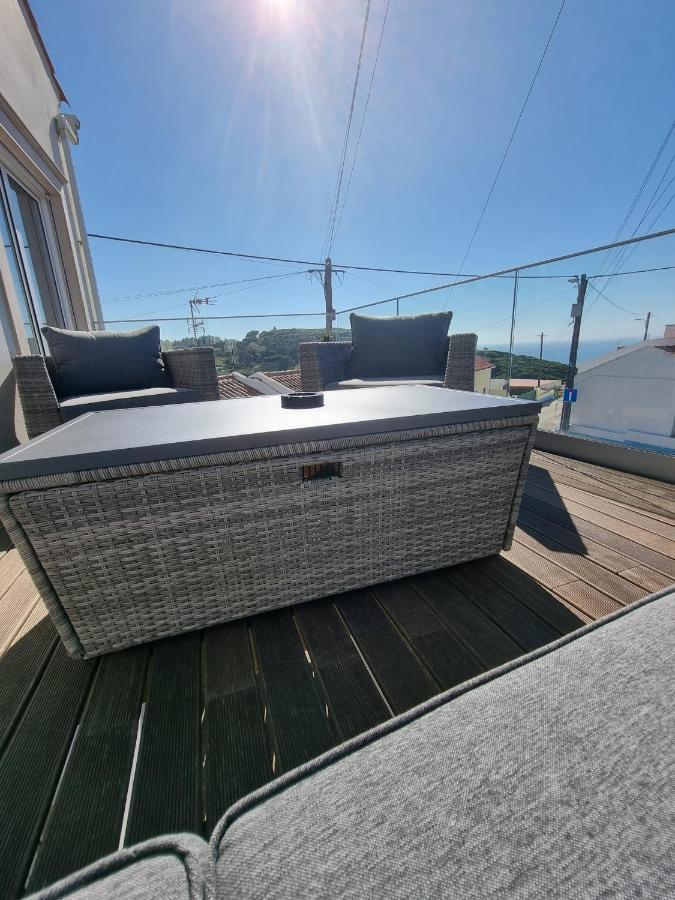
point(72, 407)
point(427, 380)
point(555, 778)
point(167, 868)
point(45, 405)
point(552, 776)
point(390, 351)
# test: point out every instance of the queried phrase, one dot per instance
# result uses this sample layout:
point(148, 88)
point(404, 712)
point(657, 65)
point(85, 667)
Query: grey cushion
point(95, 362)
point(72, 407)
point(400, 346)
point(428, 380)
point(170, 868)
point(551, 779)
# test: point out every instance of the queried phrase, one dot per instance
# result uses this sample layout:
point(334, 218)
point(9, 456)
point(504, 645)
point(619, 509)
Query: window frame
point(61, 298)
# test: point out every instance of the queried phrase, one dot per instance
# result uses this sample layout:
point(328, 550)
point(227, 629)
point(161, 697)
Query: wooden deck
point(161, 738)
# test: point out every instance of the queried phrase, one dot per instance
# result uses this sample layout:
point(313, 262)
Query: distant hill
point(273, 350)
point(277, 349)
point(524, 366)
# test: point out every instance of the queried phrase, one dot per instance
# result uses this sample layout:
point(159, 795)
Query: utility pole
point(328, 294)
point(541, 354)
point(646, 321)
point(576, 313)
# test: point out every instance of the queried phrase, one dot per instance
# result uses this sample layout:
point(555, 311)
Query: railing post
point(513, 331)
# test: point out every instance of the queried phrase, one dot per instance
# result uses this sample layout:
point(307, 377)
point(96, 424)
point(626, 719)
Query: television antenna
point(195, 322)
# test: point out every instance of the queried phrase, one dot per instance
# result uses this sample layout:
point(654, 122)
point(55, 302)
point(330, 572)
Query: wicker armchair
point(192, 369)
point(323, 363)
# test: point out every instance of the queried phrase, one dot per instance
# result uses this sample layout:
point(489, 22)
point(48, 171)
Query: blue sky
point(219, 123)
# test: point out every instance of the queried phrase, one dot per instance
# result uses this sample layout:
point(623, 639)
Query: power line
point(636, 272)
point(566, 290)
point(510, 141)
point(353, 268)
point(601, 293)
point(605, 263)
point(626, 253)
point(519, 269)
point(198, 287)
point(248, 287)
point(330, 232)
point(363, 121)
point(622, 259)
point(280, 259)
point(293, 315)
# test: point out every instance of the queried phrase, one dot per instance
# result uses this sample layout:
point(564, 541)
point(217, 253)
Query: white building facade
point(46, 273)
point(629, 396)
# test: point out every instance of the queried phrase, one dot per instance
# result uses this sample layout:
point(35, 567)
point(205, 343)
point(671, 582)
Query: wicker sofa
point(551, 776)
point(192, 373)
point(325, 365)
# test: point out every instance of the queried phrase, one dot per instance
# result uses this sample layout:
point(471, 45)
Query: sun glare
point(282, 8)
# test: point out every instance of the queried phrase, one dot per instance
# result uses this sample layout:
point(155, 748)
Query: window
point(25, 245)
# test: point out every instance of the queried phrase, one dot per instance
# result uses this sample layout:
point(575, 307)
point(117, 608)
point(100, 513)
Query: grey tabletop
point(122, 437)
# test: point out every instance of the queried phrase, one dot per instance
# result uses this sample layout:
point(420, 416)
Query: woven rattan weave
point(135, 553)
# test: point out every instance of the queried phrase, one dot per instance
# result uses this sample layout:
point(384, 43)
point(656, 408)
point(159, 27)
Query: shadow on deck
point(164, 737)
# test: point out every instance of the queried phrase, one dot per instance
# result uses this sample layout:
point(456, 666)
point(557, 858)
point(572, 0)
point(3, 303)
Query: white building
point(629, 395)
point(46, 275)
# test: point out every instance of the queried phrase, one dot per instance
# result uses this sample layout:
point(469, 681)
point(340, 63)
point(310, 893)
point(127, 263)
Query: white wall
point(633, 393)
point(34, 150)
point(482, 380)
point(25, 82)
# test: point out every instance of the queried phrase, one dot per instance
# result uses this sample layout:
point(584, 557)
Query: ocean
point(560, 352)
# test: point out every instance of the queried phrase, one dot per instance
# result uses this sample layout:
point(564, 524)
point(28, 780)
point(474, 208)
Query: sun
point(282, 7)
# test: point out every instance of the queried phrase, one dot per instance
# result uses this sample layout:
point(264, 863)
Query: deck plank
point(583, 568)
point(11, 566)
point(22, 665)
point(608, 508)
point(15, 606)
point(167, 786)
point(282, 687)
point(445, 657)
point(353, 696)
point(632, 542)
point(237, 756)
point(295, 705)
point(589, 600)
point(610, 550)
point(33, 759)
point(518, 621)
point(646, 578)
point(529, 592)
point(403, 679)
point(558, 527)
point(541, 570)
point(601, 489)
point(479, 634)
point(85, 821)
point(638, 483)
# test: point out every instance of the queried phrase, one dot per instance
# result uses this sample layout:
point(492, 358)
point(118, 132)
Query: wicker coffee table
point(139, 524)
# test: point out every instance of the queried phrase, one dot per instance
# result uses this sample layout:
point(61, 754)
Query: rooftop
point(165, 736)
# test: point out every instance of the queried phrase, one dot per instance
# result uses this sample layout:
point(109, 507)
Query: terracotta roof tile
point(291, 378)
point(230, 388)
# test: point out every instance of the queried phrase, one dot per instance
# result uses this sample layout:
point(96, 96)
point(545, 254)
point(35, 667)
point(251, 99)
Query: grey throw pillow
point(403, 346)
point(97, 362)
